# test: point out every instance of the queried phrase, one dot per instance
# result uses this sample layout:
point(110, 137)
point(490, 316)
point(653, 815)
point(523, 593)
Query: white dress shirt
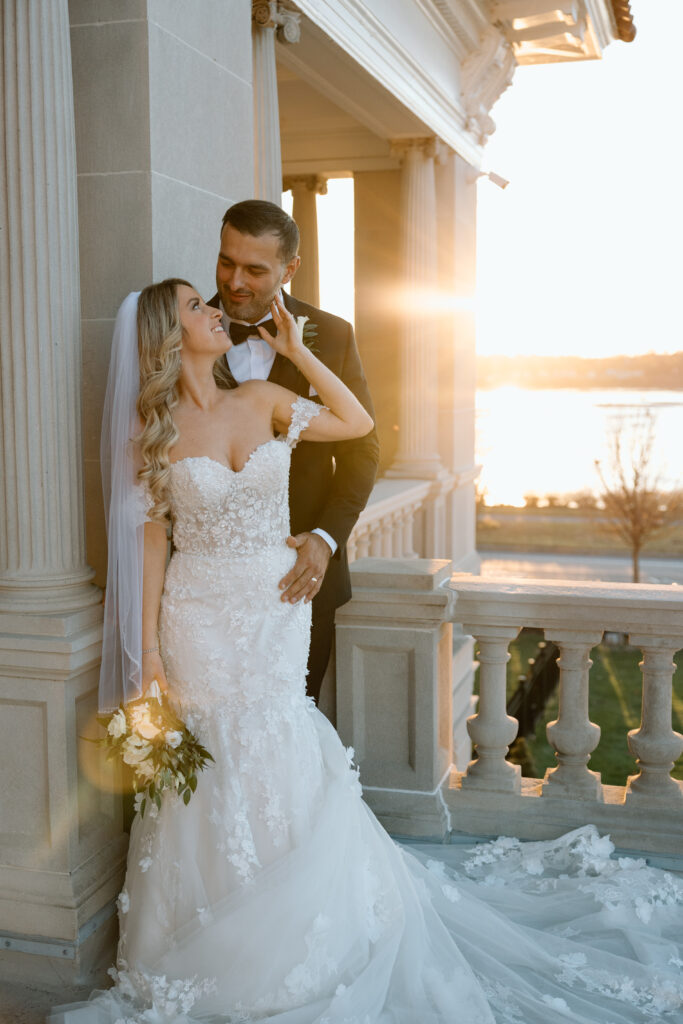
point(253, 360)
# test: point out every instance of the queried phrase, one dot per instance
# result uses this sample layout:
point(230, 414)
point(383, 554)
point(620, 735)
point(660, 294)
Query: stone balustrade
point(392, 658)
point(404, 519)
point(387, 527)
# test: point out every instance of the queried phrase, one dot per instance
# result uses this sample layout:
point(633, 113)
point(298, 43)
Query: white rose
point(300, 321)
point(136, 749)
point(148, 730)
point(117, 725)
point(174, 738)
point(144, 770)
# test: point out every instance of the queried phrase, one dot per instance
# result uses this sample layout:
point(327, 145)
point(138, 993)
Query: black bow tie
point(240, 332)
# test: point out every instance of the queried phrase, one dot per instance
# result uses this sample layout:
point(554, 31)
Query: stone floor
point(20, 1004)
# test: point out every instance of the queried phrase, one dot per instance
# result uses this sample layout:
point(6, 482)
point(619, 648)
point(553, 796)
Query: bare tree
point(637, 504)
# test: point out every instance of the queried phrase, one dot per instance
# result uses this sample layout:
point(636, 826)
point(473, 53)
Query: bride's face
point(203, 332)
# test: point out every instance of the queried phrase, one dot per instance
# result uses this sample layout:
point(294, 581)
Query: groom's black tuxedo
point(329, 483)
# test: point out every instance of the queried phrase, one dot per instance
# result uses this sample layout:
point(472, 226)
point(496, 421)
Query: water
point(545, 442)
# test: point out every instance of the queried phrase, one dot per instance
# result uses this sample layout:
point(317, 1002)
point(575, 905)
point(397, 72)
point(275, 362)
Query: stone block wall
point(164, 144)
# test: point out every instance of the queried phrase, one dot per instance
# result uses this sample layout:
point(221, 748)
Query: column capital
point(274, 14)
point(313, 182)
point(430, 147)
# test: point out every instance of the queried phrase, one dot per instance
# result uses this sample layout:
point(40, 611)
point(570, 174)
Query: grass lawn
point(563, 531)
point(614, 705)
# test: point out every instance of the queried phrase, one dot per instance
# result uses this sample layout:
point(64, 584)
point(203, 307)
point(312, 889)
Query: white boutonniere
point(308, 332)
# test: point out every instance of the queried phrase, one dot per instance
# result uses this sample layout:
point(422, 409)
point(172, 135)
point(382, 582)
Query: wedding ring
point(314, 579)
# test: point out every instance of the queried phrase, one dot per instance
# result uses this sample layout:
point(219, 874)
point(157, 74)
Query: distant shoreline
point(592, 386)
point(639, 373)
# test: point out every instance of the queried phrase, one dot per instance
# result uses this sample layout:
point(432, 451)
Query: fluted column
point(62, 851)
point(269, 18)
point(42, 535)
point(417, 454)
point(305, 189)
point(573, 735)
point(655, 744)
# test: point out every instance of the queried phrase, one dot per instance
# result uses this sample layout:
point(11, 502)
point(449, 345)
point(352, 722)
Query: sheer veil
point(125, 510)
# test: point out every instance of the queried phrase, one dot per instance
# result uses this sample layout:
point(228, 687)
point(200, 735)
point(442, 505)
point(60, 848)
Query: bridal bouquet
point(157, 746)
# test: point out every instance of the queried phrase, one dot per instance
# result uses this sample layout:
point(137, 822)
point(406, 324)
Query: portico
point(130, 126)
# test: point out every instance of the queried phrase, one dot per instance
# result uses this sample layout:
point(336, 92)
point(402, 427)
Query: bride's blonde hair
point(160, 335)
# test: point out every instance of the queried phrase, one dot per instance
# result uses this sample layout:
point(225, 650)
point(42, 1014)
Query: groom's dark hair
point(257, 217)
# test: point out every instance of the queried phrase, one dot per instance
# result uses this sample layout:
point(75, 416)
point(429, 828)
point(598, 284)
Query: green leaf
point(186, 797)
point(192, 782)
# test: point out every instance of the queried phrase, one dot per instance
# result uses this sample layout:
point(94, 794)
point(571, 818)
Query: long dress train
point(276, 896)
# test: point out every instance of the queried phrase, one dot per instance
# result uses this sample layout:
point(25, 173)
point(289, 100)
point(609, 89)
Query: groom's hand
point(306, 576)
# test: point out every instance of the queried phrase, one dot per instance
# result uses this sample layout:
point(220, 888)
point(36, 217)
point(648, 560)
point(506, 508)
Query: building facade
point(129, 127)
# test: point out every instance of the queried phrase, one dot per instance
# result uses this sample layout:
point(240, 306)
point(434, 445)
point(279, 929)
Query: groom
point(329, 484)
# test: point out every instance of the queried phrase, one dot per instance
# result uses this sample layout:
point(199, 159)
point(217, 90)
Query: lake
point(546, 441)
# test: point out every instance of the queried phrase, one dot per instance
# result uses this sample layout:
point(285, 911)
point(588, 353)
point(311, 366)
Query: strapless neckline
point(208, 458)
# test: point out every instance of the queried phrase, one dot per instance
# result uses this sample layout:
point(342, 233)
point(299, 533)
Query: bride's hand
point(287, 341)
point(153, 668)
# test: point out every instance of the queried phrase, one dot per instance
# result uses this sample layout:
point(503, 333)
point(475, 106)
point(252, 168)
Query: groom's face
point(250, 273)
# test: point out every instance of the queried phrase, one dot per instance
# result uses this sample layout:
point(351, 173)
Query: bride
point(275, 895)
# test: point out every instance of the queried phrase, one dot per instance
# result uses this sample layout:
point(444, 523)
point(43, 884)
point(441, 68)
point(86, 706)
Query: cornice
point(486, 74)
point(460, 33)
point(367, 40)
point(465, 19)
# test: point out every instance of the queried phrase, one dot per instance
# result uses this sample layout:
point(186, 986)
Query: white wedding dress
point(276, 896)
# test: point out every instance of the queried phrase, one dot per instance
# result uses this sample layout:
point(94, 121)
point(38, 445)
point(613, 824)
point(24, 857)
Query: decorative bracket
point(486, 74)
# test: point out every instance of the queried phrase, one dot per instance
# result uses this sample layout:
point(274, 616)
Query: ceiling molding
point(368, 41)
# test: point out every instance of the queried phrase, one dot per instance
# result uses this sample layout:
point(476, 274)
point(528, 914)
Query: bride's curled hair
point(159, 341)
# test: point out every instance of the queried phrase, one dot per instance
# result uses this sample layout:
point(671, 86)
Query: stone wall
point(164, 143)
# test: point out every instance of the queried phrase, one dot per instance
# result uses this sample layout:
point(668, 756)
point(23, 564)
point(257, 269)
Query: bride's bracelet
point(151, 650)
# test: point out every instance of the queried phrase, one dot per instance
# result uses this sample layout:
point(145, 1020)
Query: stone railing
point(395, 706)
point(387, 527)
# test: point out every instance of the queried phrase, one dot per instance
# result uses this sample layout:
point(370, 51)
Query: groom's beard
point(251, 310)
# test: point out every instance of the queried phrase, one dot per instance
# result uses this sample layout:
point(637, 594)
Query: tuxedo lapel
point(283, 371)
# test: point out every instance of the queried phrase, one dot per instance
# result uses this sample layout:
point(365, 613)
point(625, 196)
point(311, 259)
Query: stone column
point(269, 17)
point(417, 455)
point(305, 188)
point(61, 849)
point(42, 536)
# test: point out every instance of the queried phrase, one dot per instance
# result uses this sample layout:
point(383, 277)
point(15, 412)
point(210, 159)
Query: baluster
point(573, 735)
point(397, 534)
point(492, 730)
point(362, 547)
point(351, 548)
point(387, 535)
point(376, 540)
point(655, 745)
point(407, 521)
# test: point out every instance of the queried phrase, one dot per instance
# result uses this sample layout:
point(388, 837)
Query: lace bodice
point(222, 512)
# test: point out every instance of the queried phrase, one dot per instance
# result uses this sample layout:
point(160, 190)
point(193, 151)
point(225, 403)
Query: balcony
point(397, 708)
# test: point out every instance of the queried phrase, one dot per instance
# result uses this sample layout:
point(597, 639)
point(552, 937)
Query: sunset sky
point(582, 252)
